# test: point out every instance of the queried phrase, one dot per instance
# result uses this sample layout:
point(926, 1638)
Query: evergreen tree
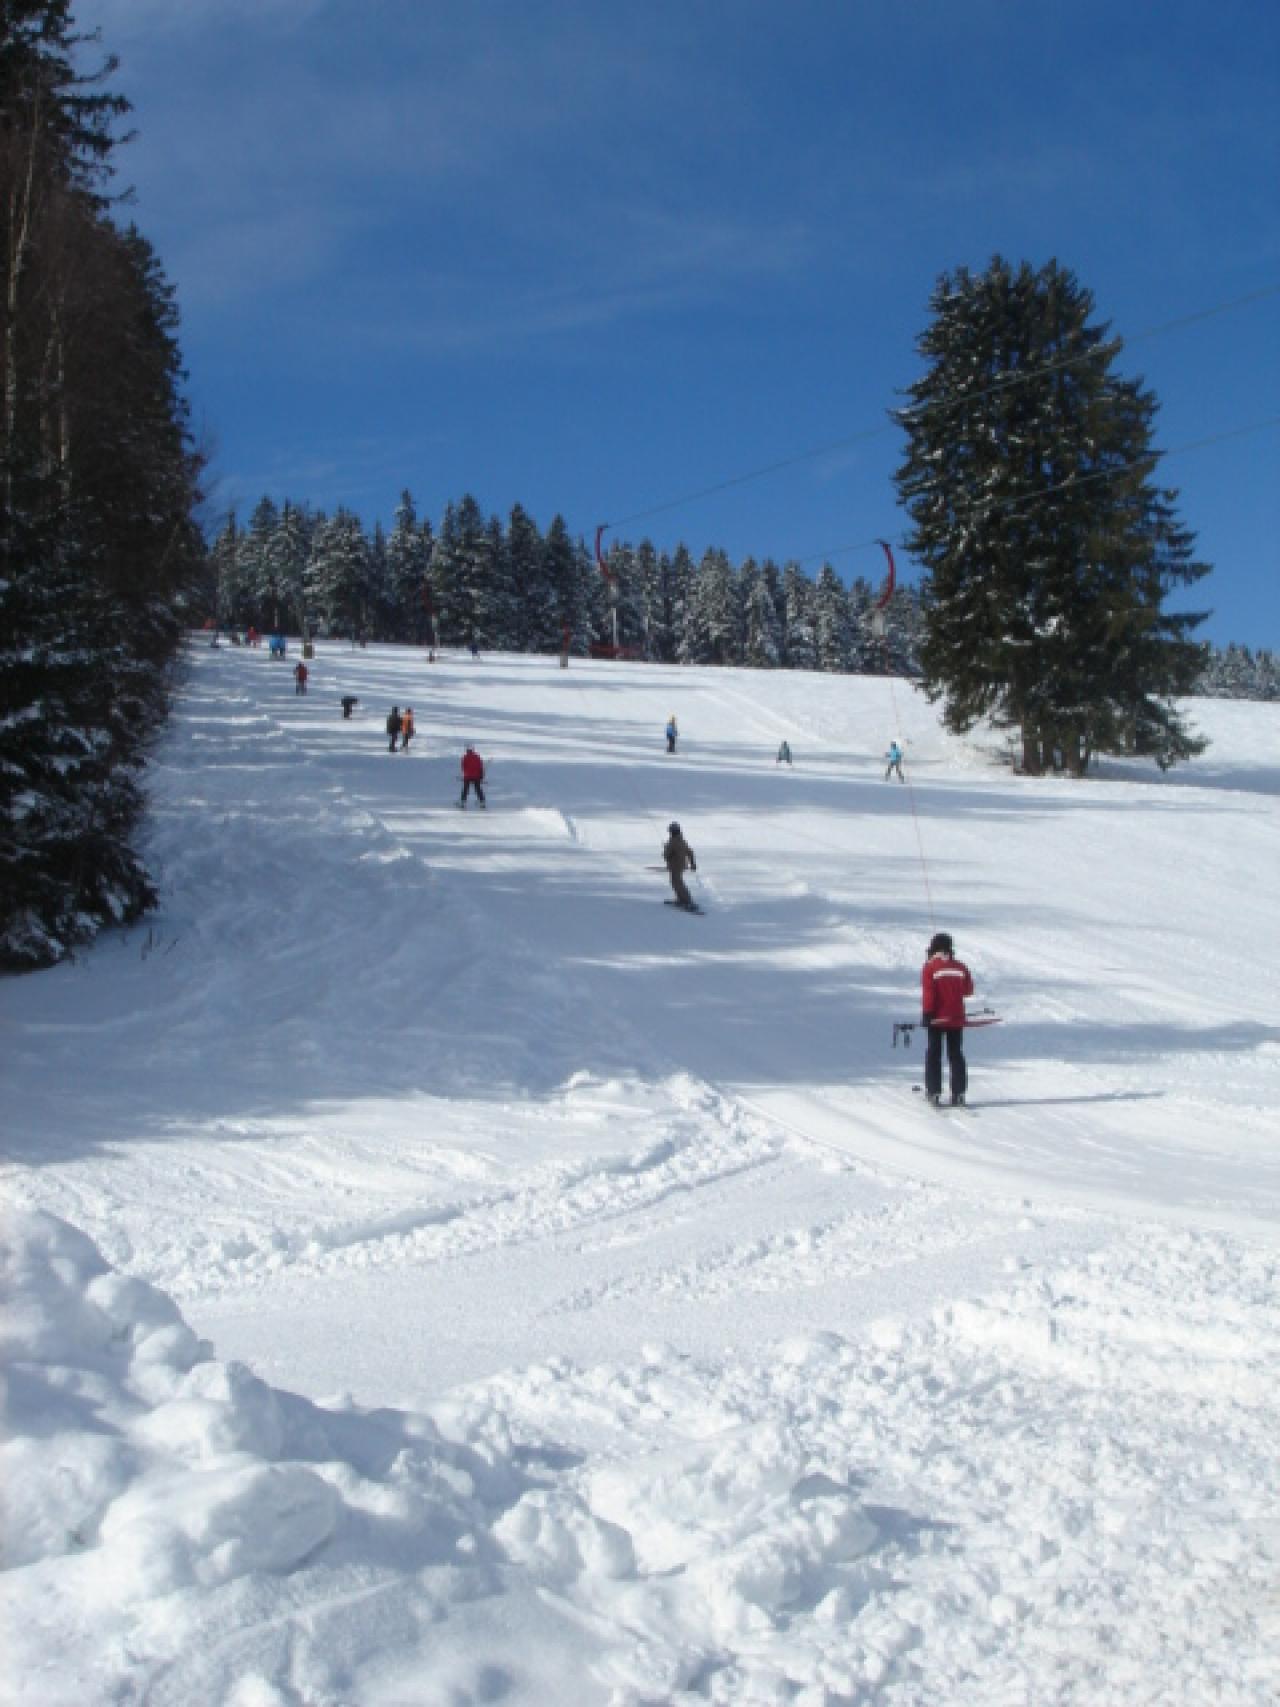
point(287, 554)
point(712, 621)
point(1049, 552)
point(536, 627)
point(568, 591)
point(264, 606)
point(680, 579)
point(867, 657)
point(800, 645)
point(444, 573)
point(337, 575)
point(98, 482)
point(471, 612)
point(408, 553)
point(497, 615)
point(832, 632)
point(762, 632)
point(225, 556)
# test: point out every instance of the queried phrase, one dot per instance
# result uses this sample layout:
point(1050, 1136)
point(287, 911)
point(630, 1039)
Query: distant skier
point(349, 703)
point(395, 723)
point(672, 733)
point(945, 983)
point(894, 756)
point(407, 729)
point(299, 677)
point(784, 755)
point(678, 858)
point(472, 776)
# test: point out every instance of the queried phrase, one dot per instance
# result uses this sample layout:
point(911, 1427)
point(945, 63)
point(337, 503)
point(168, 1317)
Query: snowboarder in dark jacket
point(394, 725)
point(678, 858)
point(945, 982)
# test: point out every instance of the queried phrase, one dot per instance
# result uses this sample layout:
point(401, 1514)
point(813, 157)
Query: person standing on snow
point(348, 702)
point(678, 858)
point(672, 732)
point(945, 983)
point(894, 756)
point(784, 755)
point(395, 723)
point(299, 677)
point(472, 776)
point(407, 729)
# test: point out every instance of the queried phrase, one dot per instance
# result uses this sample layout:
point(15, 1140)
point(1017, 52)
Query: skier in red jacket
point(945, 983)
point(472, 776)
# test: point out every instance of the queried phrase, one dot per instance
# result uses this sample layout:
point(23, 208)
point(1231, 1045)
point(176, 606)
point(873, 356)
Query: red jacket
point(944, 985)
point(472, 767)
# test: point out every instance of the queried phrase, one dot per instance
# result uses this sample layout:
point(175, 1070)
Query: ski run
point(435, 1275)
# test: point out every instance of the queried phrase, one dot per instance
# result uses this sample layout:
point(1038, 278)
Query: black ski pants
point(467, 786)
point(957, 1069)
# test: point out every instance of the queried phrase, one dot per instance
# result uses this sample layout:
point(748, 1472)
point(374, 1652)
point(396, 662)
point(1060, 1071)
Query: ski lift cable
point(995, 506)
point(1012, 380)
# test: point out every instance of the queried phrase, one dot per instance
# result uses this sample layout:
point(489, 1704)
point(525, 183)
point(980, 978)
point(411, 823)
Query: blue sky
point(594, 257)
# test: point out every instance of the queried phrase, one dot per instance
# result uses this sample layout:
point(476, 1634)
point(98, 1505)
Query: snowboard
point(679, 909)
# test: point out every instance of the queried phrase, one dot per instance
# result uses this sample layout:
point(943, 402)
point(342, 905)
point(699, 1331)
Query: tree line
point(513, 587)
point(98, 486)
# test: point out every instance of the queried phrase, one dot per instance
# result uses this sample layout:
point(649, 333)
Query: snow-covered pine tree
point(98, 481)
point(1049, 553)
point(712, 619)
point(866, 652)
point(287, 553)
point(225, 557)
point(572, 605)
point(761, 630)
point(469, 613)
point(800, 647)
point(496, 607)
point(833, 642)
point(649, 598)
point(263, 605)
point(337, 574)
point(407, 573)
point(679, 595)
point(536, 626)
point(444, 571)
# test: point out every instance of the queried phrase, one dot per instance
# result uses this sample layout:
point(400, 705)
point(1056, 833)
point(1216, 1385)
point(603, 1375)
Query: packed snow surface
point(437, 1273)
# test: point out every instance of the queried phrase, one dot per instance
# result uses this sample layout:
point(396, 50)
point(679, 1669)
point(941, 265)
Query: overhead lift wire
point(1005, 384)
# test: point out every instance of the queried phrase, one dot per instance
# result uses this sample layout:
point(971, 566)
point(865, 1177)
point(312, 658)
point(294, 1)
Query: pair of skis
point(903, 1028)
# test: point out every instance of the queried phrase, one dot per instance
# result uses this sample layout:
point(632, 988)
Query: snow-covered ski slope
point(658, 1344)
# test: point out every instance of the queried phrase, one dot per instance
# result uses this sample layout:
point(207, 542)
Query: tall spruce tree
point(833, 641)
point(536, 629)
point(98, 481)
point(407, 557)
point(800, 646)
point(1050, 552)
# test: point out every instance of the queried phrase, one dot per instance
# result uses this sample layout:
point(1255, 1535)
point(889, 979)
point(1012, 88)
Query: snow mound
point(178, 1530)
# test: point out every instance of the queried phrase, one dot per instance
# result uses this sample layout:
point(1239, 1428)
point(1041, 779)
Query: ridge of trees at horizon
point(512, 587)
point(293, 566)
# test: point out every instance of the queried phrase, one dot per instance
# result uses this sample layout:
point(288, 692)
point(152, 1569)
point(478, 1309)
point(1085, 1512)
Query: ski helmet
point(941, 944)
point(673, 829)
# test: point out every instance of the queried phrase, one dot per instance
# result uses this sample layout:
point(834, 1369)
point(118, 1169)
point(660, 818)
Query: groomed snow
point(657, 1345)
